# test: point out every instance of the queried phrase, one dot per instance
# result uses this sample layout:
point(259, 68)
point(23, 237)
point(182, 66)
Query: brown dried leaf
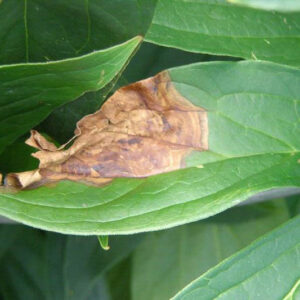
point(145, 128)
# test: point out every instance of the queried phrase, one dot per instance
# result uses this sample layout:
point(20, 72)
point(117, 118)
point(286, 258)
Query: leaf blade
point(216, 27)
point(186, 252)
point(32, 91)
point(241, 161)
point(285, 5)
point(284, 242)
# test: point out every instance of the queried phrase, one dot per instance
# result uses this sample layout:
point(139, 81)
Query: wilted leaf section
point(144, 129)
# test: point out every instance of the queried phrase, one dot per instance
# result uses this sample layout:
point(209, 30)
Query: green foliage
point(255, 271)
point(187, 251)
point(249, 148)
point(31, 91)
point(217, 27)
point(239, 59)
point(280, 5)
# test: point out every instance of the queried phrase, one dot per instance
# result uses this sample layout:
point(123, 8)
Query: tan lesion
point(143, 129)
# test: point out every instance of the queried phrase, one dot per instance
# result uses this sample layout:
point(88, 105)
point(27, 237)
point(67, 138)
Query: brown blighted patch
point(145, 128)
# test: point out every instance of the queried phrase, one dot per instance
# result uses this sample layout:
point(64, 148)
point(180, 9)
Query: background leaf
point(272, 261)
point(216, 27)
point(37, 31)
point(8, 234)
point(17, 157)
point(42, 265)
point(166, 261)
point(281, 5)
point(119, 278)
point(31, 91)
point(251, 149)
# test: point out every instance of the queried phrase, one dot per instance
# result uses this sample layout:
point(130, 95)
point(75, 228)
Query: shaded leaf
point(119, 279)
point(31, 91)
point(8, 234)
point(185, 252)
point(48, 266)
point(37, 31)
point(251, 148)
point(216, 27)
point(272, 261)
point(17, 158)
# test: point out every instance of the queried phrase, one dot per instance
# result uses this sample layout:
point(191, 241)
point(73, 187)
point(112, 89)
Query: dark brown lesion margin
point(143, 129)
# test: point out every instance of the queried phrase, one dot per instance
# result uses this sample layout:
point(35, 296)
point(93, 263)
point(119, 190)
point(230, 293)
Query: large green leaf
point(185, 252)
point(254, 130)
point(29, 92)
point(217, 27)
point(267, 269)
point(37, 30)
point(43, 265)
point(281, 5)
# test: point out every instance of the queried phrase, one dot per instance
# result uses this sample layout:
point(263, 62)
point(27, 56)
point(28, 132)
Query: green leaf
point(49, 266)
point(37, 31)
point(31, 91)
point(158, 59)
point(216, 27)
point(187, 251)
point(61, 123)
point(103, 240)
point(294, 205)
point(17, 158)
point(267, 269)
point(281, 5)
point(254, 130)
point(8, 234)
point(119, 280)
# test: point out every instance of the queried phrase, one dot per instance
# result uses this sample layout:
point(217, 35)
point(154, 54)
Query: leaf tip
point(103, 241)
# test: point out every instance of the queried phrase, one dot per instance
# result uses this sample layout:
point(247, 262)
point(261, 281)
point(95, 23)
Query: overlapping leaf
point(267, 269)
point(217, 27)
point(186, 252)
point(37, 31)
point(29, 92)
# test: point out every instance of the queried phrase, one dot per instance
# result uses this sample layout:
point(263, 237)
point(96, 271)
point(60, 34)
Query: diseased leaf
point(186, 252)
point(217, 27)
point(281, 5)
point(251, 148)
point(267, 269)
point(144, 129)
point(29, 92)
